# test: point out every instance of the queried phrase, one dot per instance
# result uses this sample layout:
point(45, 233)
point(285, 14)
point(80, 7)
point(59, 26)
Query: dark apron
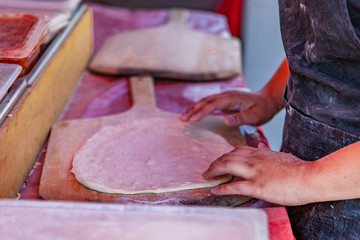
point(322, 101)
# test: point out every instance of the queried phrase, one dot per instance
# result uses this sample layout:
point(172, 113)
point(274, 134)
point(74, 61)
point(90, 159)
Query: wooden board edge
point(23, 134)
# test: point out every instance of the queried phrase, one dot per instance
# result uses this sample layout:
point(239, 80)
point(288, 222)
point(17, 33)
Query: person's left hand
point(275, 177)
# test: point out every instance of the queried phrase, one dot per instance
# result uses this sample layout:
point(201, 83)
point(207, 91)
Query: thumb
point(262, 145)
point(234, 120)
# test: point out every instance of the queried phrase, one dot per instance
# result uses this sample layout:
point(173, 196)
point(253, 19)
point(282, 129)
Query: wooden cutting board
point(58, 183)
point(172, 51)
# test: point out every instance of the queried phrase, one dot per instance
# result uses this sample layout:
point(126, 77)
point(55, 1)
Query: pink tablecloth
point(99, 95)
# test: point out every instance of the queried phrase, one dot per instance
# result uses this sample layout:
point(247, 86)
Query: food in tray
point(20, 38)
point(55, 20)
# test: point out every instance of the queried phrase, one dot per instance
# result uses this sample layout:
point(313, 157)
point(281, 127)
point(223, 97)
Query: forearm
point(334, 177)
point(275, 88)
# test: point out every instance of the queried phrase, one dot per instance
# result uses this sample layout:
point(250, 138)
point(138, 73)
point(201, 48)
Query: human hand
point(275, 177)
point(251, 108)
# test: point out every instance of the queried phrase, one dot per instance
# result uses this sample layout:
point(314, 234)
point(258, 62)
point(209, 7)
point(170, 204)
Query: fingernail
point(215, 190)
point(230, 120)
point(262, 145)
point(193, 118)
point(182, 117)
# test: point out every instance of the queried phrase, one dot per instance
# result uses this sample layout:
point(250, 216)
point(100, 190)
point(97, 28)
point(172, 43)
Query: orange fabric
point(284, 68)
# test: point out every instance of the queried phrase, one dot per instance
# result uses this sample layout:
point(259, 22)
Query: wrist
point(318, 182)
point(273, 101)
point(274, 89)
point(311, 191)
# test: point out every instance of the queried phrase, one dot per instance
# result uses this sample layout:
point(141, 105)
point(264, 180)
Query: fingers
point(234, 163)
point(223, 101)
point(263, 145)
point(234, 120)
point(198, 111)
point(239, 162)
point(245, 188)
point(244, 150)
point(228, 166)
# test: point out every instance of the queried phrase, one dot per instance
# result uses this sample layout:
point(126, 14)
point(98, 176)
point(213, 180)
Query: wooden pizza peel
point(172, 51)
point(58, 183)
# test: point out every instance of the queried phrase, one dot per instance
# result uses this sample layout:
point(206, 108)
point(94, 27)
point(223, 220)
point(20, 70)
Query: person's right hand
point(250, 108)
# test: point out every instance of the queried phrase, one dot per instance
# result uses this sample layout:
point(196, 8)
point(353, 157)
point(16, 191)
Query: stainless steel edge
point(8, 75)
point(11, 98)
point(21, 84)
point(54, 46)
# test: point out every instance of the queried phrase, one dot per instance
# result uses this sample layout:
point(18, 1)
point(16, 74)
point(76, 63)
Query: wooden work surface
point(23, 133)
point(58, 183)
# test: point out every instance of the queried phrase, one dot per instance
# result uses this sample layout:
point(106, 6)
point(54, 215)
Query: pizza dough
point(148, 156)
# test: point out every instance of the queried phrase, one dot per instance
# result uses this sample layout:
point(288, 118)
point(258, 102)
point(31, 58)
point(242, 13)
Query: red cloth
point(233, 10)
point(98, 95)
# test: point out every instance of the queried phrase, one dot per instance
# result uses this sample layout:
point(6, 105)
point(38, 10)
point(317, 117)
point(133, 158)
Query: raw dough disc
point(148, 156)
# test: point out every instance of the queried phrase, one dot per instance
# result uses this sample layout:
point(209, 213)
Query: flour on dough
point(148, 156)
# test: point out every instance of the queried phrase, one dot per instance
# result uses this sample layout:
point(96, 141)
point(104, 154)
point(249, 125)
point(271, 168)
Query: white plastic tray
point(68, 220)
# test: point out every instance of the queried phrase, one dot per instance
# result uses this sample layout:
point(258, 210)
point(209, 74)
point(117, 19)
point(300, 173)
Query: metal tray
point(70, 220)
point(8, 74)
point(60, 5)
point(22, 83)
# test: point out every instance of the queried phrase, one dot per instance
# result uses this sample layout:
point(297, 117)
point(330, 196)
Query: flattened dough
point(148, 156)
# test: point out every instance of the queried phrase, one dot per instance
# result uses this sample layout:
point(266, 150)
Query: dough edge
point(104, 189)
point(94, 186)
